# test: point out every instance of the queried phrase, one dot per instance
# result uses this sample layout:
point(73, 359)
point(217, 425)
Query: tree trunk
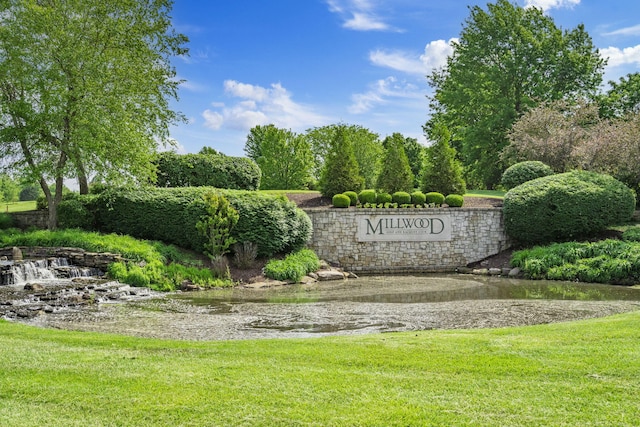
point(83, 183)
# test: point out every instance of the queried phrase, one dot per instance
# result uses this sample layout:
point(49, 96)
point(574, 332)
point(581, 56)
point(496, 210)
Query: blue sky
point(305, 63)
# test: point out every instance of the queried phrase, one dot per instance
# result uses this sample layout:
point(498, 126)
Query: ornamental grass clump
point(293, 267)
point(606, 261)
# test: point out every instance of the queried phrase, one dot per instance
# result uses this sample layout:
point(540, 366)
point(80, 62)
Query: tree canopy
point(507, 60)
point(85, 88)
point(283, 156)
point(622, 98)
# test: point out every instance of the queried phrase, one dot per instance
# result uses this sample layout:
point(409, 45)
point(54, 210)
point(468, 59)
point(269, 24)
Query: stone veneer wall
point(476, 233)
point(76, 256)
point(37, 219)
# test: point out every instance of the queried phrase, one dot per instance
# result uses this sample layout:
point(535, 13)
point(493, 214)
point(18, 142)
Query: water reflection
point(371, 304)
point(416, 289)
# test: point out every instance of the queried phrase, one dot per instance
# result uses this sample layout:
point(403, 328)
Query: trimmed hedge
point(566, 206)
point(523, 172)
point(341, 201)
point(435, 198)
point(401, 198)
point(170, 215)
point(353, 196)
point(382, 198)
point(197, 170)
point(454, 200)
point(367, 196)
point(418, 198)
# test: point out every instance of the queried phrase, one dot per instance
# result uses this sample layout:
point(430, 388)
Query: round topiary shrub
point(454, 200)
point(418, 198)
point(341, 201)
point(566, 206)
point(367, 196)
point(435, 198)
point(353, 196)
point(383, 198)
point(523, 172)
point(401, 198)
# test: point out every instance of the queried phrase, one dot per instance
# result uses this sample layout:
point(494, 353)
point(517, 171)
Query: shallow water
point(367, 305)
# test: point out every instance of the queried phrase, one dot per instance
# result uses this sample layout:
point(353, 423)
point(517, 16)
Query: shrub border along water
point(607, 261)
point(293, 267)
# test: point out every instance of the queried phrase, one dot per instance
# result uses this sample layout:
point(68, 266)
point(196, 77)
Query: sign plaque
point(414, 228)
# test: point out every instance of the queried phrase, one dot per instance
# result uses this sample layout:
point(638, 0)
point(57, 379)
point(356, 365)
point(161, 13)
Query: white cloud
point(382, 92)
point(551, 4)
point(358, 15)
point(628, 31)
point(436, 53)
point(618, 57)
point(434, 56)
point(257, 105)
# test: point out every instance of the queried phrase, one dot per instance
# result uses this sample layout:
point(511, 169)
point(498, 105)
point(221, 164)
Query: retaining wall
point(406, 240)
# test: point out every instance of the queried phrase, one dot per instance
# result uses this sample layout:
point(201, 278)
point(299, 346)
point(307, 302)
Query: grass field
point(485, 193)
point(18, 206)
point(567, 374)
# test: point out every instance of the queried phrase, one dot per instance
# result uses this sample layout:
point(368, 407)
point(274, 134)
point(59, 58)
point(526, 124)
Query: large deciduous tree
point(85, 88)
point(283, 156)
point(622, 98)
point(507, 60)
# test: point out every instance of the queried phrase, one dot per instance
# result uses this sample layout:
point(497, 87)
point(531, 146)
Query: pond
point(372, 304)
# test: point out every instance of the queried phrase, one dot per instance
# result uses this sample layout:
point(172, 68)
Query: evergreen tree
point(396, 172)
point(442, 171)
point(341, 172)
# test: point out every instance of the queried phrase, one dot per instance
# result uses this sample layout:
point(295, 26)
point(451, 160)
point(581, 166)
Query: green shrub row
point(202, 170)
point(295, 266)
point(170, 215)
point(566, 206)
point(606, 261)
point(369, 198)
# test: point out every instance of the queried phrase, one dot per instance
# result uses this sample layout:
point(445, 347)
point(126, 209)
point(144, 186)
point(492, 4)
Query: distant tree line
point(342, 157)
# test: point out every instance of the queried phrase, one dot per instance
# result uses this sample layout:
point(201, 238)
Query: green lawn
point(485, 193)
point(18, 206)
point(568, 374)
